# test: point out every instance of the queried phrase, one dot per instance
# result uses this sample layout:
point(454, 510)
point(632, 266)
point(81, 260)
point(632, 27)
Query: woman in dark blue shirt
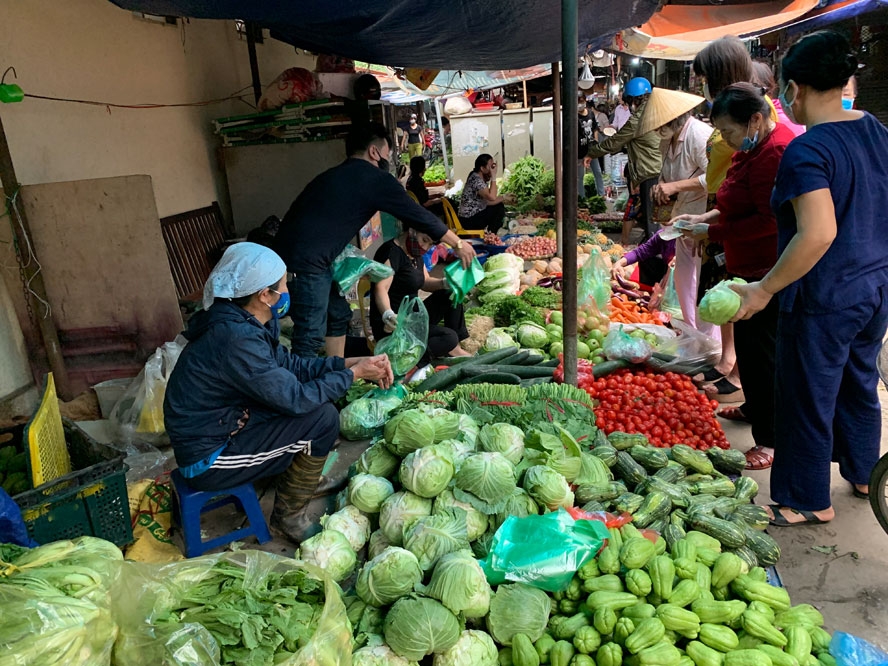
point(832, 280)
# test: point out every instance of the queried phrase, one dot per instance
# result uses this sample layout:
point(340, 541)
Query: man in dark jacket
point(325, 217)
point(240, 407)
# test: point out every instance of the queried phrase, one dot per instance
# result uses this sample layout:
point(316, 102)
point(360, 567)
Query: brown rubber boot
point(295, 488)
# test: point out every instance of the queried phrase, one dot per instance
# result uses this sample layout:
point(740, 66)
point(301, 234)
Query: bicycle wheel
point(878, 491)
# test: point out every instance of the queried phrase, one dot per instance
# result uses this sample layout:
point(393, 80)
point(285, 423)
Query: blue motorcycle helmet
point(637, 87)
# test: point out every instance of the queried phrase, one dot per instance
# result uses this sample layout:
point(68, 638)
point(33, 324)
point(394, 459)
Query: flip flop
point(708, 377)
point(757, 460)
point(733, 414)
point(721, 387)
point(859, 494)
point(779, 520)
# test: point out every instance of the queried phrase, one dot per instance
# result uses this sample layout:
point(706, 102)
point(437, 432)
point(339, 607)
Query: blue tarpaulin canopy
point(445, 34)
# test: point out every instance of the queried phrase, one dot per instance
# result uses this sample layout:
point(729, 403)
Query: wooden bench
point(195, 241)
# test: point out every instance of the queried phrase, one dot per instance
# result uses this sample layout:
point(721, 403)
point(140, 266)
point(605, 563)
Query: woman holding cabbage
point(832, 281)
point(404, 255)
point(239, 407)
point(745, 224)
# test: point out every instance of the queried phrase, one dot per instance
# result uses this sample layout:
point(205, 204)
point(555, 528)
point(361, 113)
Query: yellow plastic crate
point(45, 435)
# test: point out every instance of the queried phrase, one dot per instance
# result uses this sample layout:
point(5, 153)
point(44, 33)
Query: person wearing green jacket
point(645, 161)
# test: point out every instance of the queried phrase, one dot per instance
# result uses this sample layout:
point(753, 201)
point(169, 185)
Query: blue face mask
point(848, 103)
point(749, 144)
point(280, 308)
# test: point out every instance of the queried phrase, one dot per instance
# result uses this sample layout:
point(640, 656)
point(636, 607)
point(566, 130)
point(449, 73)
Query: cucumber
point(455, 360)
point(492, 377)
point(551, 363)
point(523, 371)
point(516, 358)
point(607, 367)
point(445, 379)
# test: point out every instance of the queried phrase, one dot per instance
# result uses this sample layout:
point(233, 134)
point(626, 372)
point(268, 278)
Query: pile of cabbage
point(502, 277)
point(437, 487)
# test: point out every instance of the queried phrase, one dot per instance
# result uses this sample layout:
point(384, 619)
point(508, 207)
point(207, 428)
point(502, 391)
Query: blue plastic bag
point(12, 525)
point(850, 650)
point(543, 551)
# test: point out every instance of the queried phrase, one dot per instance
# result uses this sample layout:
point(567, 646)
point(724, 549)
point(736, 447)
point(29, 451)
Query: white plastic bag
point(139, 413)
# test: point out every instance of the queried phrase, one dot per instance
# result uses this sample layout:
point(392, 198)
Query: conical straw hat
point(664, 106)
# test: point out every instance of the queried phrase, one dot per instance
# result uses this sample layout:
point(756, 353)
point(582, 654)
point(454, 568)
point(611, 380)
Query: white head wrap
point(244, 269)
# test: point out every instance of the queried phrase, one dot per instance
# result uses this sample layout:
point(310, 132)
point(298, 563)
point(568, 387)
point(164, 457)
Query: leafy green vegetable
point(351, 523)
point(378, 655)
point(503, 438)
point(459, 583)
point(476, 522)
point(532, 335)
point(388, 577)
point(486, 481)
point(409, 430)
point(524, 179)
point(518, 609)
point(330, 551)
point(515, 310)
point(399, 512)
point(367, 492)
point(378, 461)
point(432, 537)
point(474, 648)
point(720, 304)
point(542, 297)
point(427, 471)
point(418, 626)
point(435, 173)
point(548, 487)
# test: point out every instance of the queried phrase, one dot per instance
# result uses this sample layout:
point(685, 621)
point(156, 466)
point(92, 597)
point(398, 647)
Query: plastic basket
point(90, 501)
point(49, 459)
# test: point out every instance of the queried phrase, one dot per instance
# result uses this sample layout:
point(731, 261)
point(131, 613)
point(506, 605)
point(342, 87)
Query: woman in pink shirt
point(763, 77)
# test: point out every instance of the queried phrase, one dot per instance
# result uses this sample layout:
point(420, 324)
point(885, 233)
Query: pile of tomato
point(666, 408)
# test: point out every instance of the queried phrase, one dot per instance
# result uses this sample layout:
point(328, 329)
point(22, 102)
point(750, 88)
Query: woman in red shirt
point(745, 224)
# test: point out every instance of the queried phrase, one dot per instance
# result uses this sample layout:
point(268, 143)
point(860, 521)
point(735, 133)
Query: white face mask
point(665, 133)
point(706, 92)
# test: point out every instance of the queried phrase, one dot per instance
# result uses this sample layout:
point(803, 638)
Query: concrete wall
point(90, 49)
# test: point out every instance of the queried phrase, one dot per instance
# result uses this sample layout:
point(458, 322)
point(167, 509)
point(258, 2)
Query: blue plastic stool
point(191, 504)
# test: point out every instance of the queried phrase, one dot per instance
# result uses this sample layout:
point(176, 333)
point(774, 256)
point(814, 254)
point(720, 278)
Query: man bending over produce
point(325, 217)
point(240, 407)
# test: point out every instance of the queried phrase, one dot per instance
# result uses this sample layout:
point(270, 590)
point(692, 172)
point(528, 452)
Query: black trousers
point(646, 216)
point(755, 341)
point(265, 446)
point(447, 326)
point(491, 218)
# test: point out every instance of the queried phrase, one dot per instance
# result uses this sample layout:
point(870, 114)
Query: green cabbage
point(427, 471)
point(446, 424)
point(532, 335)
point(519, 504)
point(474, 648)
point(331, 552)
point(504, 260)
point(378, 542)
point(366, 416)
point(476, 522)
point(548, 487)
point(468, 429)
point(720, 304)
point(368, 492)
point(500, 294)
point(399, 512)
point(418, 626)
point(432, 537)
point(388, 577)
point(518, 609)
point(503, 438)
point(379, 655)
point(378, 461)
point(459, 583)
point(351, 523)
point(458, 451)
point(499, 338)
point(410, 430)
point(485, 480)
point(497, 279)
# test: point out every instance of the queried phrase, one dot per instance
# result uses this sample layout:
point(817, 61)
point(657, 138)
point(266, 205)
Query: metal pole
point(32, 274)
point(556, 132)
point(569, 139)
point(251, 29)
point(435, 101)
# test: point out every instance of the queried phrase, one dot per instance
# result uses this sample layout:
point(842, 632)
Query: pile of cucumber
point(523, 367)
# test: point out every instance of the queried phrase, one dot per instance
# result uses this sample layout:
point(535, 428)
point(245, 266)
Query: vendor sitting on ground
point(653, 258)
point(480, 207)
point(416, 185)
point(404, 255)
point(239, 407)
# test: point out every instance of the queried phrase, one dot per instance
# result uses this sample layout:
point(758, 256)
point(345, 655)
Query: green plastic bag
point(406, 345)
point(462, 280)
point(351, 265)
point(595, 282)
point(543, 551)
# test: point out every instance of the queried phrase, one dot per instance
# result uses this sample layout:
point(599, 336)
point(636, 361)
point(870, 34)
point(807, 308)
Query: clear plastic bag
point(139, 413)
point(850, 650)
point(689, 352)
point(351, 265)
point(407, 344)
point(543, 551)
point(670, 303)
point(365, 417)
point(153, 604)
point(621, 346)
point(595, 281)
